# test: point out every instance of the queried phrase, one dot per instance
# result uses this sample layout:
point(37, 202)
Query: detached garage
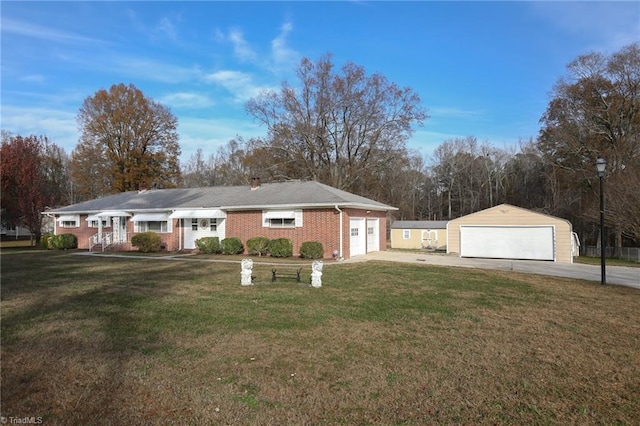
point(509, 232)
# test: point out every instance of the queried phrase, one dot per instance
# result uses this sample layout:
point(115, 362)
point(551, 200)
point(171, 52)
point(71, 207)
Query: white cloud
point(454, 112)
point(186, 100)
point(151, 70)
point(32, 78)
point(283, 57)
point(241, 47)
point(168, 29)
point(211, 133)
point(240, 84)
point(28, 29)
point(615, 24)
point(58, 125)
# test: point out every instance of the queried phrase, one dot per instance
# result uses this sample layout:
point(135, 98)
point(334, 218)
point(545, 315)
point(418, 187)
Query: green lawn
point(95, 340)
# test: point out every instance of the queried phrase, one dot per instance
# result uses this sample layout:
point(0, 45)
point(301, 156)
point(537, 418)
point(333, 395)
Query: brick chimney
point(255, 183)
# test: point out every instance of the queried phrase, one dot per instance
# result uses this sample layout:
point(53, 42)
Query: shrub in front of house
point(45, 242)
point(147, 242)
point(281, 247)
point(232, 245)
point(209, 245)
point(63, 242)
point(311, 250)
point(258, 246)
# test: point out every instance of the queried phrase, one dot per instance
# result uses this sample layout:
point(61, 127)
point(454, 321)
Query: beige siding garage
point(509, 232)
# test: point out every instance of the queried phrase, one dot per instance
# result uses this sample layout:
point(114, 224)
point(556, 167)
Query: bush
point(258, 246)
point(62, 241)
point(209, 245)
point(147, 241)
point(45, 242)
point(281, 247)
point(232, 245)
point(311, 250)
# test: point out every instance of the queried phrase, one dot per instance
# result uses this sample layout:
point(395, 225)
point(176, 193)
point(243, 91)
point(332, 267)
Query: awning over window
point(198, 213)
point(280, 214)
point(67, 218)
point(150, 217)
point(93, 218)
point(113, 214)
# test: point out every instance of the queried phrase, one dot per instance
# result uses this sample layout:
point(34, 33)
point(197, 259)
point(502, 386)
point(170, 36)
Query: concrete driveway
point(619, 275)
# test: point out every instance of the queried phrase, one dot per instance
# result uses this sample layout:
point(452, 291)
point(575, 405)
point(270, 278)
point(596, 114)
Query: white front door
point(119, 228)
point(196, 228)
point(357, 237)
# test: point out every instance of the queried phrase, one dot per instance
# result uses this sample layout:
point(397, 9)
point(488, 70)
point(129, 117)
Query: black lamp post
point(601, 165)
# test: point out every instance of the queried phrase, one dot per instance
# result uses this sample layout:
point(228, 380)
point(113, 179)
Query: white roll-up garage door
point(358, 237)
point(508, 242)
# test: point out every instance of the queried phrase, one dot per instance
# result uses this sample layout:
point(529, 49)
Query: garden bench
point(285, 272)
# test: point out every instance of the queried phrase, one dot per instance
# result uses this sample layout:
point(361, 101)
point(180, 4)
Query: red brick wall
point(367, 214)
point(84, 232)
point(318, 225)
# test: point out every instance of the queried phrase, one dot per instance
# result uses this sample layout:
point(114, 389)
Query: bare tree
point(596, 111)
point(339, 128)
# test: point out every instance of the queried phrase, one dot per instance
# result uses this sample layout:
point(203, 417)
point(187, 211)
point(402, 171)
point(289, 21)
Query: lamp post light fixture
point(601, 165)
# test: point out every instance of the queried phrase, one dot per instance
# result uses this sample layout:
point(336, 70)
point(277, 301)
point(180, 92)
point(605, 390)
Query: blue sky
point(482, 69)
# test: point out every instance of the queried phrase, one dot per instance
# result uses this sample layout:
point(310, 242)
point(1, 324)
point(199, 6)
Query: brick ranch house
point(346, 224)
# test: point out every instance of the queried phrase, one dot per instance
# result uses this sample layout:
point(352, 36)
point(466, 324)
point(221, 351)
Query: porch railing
point(105, 240)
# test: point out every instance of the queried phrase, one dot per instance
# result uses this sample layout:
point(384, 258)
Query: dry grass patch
point(107, 341)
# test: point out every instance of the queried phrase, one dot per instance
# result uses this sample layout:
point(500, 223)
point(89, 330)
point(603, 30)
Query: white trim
point(114, 214)
point(268, 215)
point(279, 214)
point(198, 213)
point(150, 217)
point(69, 218)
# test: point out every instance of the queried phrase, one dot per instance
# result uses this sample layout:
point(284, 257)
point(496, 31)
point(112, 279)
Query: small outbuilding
point(510, 232)
point(419, 234)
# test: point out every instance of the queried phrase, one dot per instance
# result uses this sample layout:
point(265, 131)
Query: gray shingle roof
point(419, 224)
point(270, 195)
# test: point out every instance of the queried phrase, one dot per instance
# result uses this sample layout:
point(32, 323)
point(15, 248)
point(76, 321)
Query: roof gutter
point(341, 231)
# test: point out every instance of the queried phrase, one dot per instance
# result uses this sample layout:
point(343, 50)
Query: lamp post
point(601, 165)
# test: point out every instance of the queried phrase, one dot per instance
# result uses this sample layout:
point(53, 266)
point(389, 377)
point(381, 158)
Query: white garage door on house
point(358, 237)
point(373, 240)
point(508, 242)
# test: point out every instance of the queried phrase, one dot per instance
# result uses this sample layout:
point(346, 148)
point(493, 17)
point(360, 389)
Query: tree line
point(349, 130)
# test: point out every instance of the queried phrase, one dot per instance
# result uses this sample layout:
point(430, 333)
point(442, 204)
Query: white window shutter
point(298, 214)
point(265, 220)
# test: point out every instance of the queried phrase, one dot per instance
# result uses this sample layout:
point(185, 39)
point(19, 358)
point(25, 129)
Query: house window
point(213, 224)
point(159, 226)
point(194, 224)
point(69, 221)
point(371, 231)
point(94, 224)
point(406, 234)
point(282, 218)
point(282, 223)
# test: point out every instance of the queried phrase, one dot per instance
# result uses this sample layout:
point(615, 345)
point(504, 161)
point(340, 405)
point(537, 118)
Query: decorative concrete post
point(247, 270)
point(316, 273)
